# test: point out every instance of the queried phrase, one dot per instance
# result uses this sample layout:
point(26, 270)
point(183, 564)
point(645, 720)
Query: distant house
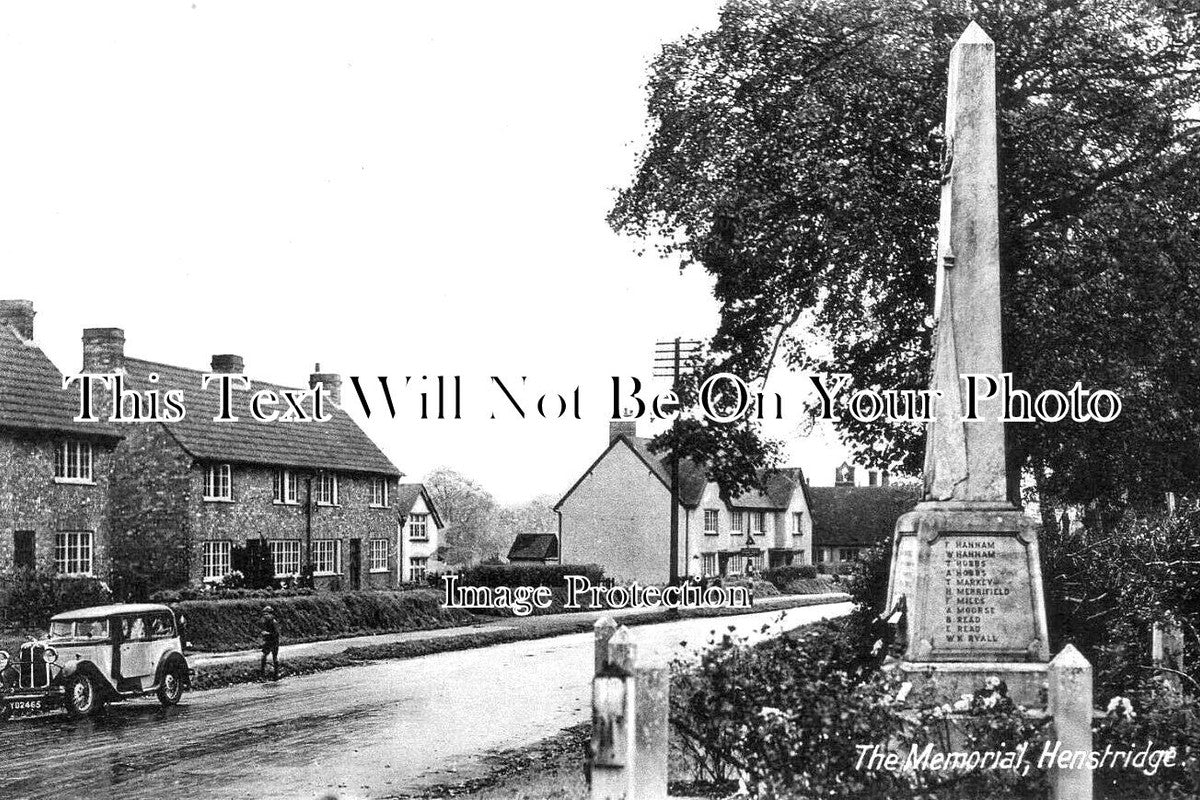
point(54, 472)
point(420, 532)
point(848, 519)
point(539, 548)
point(618, 515)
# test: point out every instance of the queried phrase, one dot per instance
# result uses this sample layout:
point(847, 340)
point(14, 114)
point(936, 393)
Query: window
point(379, 492)
point(214, 559)
point(757, 521)
point(285, 555)
point(327, 489)
point(327, 556)
point(737, 522)
point(418, 568)
point(797, 523)
point(217, 484)
point(286, 487)
point(73, 462)
point(711, 521)
point(823, 555)
point(73, 553)
point(708, 564)
point(162, 626)
point(847, 553)
point(133, 629)
point(379, 555)
point(418, 527)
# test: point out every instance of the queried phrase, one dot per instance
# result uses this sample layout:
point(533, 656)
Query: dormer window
point(73, 462)
point(218, 483)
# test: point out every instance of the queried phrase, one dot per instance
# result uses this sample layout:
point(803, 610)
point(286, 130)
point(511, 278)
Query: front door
point(24, 556)
point(356, 563)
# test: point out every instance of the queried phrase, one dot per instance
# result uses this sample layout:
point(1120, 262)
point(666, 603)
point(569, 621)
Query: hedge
point(234, 624)
point(553, 575)
point(783, 576)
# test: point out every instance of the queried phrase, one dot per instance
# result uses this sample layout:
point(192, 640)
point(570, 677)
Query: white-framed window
point(737, 522)
point(218, 483)
point(418, 527)
point(287, 487)
point(285, 555)
point(418, 568)
point(327, 489)
point(379, 493)
point(327, 556)
point(847, 553)
point(708, 564)
point(758, 521)
point(73, 462)
point(379, 555)
point(797, 523)
point(215, 559)
point(73, 552)
point(712, 519)
point(823, 554)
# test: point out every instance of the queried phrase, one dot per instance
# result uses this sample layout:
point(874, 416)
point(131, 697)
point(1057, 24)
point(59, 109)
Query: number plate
point(27, 706)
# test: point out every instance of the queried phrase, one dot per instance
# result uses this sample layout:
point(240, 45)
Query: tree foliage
point(794, 155)
point(466, 509)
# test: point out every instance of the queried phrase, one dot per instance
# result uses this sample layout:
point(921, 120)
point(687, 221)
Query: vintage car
point(94, 656)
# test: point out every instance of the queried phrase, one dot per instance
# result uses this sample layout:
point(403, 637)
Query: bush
point(783, 577)
point(232, 624)
point(1150, 712)
point(552, 575)
point(220, 592)
point(35, 596)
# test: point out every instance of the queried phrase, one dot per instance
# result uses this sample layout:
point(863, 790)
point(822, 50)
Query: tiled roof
point(31, 393)
point(406, 498)
point(858, 516)
point(534, 547)
point(337, 444)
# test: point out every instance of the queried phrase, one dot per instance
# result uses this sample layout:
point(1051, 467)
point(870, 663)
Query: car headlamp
point(50, 655)
point(3, 659)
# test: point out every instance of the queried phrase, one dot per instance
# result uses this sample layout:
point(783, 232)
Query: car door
point(136, 651)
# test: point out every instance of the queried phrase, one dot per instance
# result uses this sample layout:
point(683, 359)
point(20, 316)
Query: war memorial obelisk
point(966, 559)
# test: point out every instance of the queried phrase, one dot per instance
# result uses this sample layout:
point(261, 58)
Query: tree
point(795, 155)
point(532, 516)
point(467, 510)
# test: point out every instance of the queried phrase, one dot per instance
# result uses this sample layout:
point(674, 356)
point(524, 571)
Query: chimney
point(330, 380)
point(621, 427)
point(228, 364)
point(103, 350)
point(19, 315)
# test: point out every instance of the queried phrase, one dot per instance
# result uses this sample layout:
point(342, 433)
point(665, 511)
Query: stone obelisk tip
point(974, 35)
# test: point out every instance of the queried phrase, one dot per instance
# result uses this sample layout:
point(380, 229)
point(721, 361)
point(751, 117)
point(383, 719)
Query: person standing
point(270, 643)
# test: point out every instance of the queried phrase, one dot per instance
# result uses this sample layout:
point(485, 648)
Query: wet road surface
point(370, 731)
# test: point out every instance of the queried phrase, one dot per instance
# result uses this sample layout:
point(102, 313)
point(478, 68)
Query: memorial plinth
point(966, 559)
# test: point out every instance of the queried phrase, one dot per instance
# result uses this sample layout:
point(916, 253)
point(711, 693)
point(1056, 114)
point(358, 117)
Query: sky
point(399, 189)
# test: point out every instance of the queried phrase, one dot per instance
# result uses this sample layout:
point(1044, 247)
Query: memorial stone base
point(971, 581)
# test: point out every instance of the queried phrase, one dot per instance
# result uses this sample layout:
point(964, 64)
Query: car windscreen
point(79, 629)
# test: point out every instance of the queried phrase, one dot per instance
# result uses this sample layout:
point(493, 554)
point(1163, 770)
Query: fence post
point(1166, 650)
point(604, 628)
point(612, 760)
point(653, 692)
point(1071, 705)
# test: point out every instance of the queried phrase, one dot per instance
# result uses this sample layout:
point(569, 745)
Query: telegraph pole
point(669, 362)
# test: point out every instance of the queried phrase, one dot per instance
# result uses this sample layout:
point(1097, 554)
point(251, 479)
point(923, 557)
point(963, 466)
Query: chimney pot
point(103, 350)
point(18, 314)
point(621, 427)
point(331, 381)
point(228, 364)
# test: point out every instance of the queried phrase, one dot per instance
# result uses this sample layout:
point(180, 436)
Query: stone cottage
point(618, 515)
point(54, 472)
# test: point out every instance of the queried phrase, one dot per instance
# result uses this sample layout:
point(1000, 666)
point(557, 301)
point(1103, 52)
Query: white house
point(418, 533)
point(618, 515)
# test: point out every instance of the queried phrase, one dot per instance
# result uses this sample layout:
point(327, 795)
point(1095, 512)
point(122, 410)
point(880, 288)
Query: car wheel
point(171, 688)
point(83, 699)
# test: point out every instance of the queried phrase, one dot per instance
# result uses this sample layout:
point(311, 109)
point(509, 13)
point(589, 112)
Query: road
point(361, 732)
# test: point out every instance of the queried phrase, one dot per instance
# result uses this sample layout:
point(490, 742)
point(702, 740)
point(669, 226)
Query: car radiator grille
point(33, 672)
